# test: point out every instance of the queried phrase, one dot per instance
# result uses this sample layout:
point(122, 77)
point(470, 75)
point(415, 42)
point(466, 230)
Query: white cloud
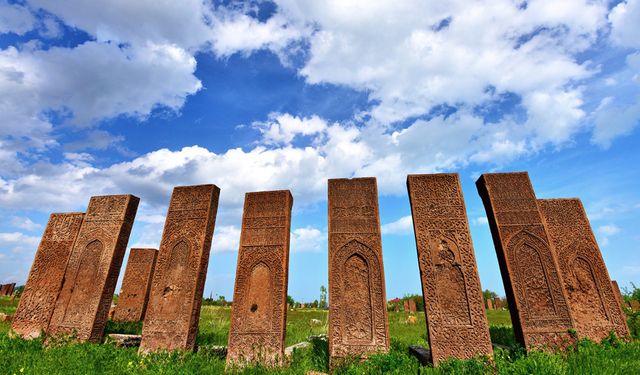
point(15, 18)
point(609, 229)
point(404, 225)
point(625, 27)
point(307, 239)
point(283, 127)
point(226, 238)
point(480, 221)
point(17, 242)
point(24, 223)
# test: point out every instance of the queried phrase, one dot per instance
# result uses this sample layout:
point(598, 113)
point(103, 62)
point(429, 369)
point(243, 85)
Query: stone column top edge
point(354, 179)
point(144, 248)
point(559, 200)
point(66, 213)
point(195, 186)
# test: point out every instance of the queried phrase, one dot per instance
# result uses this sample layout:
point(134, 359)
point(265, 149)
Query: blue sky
point(110, 97)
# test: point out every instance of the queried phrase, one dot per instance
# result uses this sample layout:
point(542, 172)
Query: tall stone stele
point(136, 285)
point(454, 308)
point(592, 299)
point(41, 291)
point(94, 265)
point(259, 314)
point(358, 324)
point(616, 289)
point(173, 312)
point(537, 299)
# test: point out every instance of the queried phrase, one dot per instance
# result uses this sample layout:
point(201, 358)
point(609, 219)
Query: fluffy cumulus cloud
point(308, 239)
point(625, 28)
point(15, 18)
point(404, 225)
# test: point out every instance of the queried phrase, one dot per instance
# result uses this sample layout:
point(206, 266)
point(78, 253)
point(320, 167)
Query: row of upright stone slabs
point(552, 269)
point(7, 289)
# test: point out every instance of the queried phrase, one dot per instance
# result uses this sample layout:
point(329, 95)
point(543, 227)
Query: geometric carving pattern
point(537, 299)
point(94, 265)
point(7, 289)
point(134, 294)
point(358, 322)
point(454, 308)
point(47, 274)
point(173, 310)
point(594, 305)
point(259, 314)
point(616, 289)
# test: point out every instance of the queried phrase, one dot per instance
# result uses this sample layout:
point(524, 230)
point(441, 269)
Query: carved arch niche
point(450, 282)
point(84, 283)
point(528, 255)
point(178, 271)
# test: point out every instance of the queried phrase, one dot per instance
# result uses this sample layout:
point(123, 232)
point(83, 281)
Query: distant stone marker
point(489, 304)
point(47, 274)
point(453, 302)
point(406, 305)
point(94, 265)
point(497, 303)
point(171, 320)
point(358, 322)
point(412, 305)
point(134, 294)
point(259, 314)
point(592, 299)
point(616, 290)
point(537, 300)
point(7, 289)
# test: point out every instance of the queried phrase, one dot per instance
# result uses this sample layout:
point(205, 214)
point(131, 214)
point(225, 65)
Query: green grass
point(611, 357)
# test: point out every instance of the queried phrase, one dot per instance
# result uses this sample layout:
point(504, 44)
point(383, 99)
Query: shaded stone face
point(592, 299)
point(406, 305)
point(258, 317)
point(47, 274)
point(454, 308)
point(616, 290)
point(537, 300)
point(134, 295)
point(357, 304)
point(7, 289)
point(412, 306)
point(489, 304)
point(94, 265)
point(173, 311)
point(497, 303)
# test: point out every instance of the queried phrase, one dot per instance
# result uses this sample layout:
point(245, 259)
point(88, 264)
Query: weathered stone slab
point(616, 290)
point(454, 308)
point(592, 300)
point(537, 300)
point(406, 305)
point(7, 289)
point(41, 291)
point(259, 314)
point(93, 268)
point(497, 303)
point(171, 320)
point(134, 294)
point(412, 306)
point(358, 322)
point(489, 304)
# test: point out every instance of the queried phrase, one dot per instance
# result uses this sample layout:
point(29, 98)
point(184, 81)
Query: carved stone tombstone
point(406, 305)
point(259, 314)
point(412, 306)
point(537, 300)
point(134, 294)
point(94, 265)
point(454, 308)
point(592, 299)
point(358, 322)
point(616, 290)
point(173, 311)
point(47, 274)
point(489, 304)
point(497, 303)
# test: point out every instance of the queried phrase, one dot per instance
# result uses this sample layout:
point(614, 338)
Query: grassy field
point(28, 357)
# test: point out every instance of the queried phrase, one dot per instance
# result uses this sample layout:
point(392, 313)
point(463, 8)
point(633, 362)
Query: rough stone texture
point(94, 265)
point(592, 300)
point(412, 306)
point(497, 303)
point(406, 305)
point(422, 354)
point(616, 290)
point(259, 314)
point(489, 304)
point(171, 320)
point(358, 322)
point(134, 295)
point(7, 289)
point(454, 308)
point(47, 274)
point(537, 300)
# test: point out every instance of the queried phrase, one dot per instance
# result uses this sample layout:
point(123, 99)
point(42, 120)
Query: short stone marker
point(489, 304)
point(94, 265)
point(173, 311)
point(406, 305)
point(134, 294)
point(259, 314)
point(454, 308)
point(7, 289)
point(412, 305)
point(616, 290)
point(358, 322)
point(46, 276)
point(592, 299)
point(497, 303)
point(537, 300)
